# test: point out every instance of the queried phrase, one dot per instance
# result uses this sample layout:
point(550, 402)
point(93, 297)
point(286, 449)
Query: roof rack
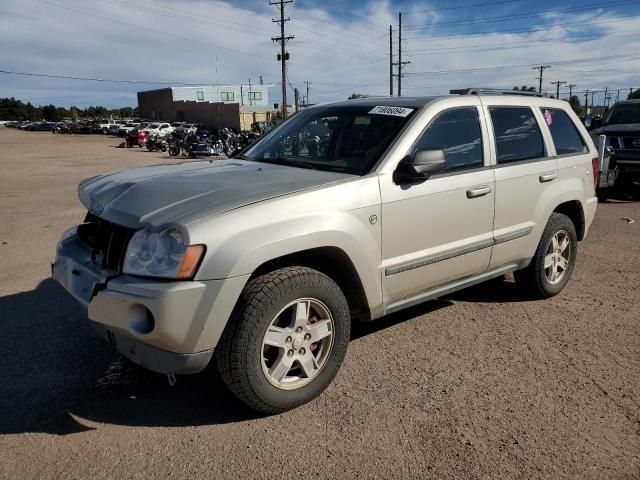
point(494, 91)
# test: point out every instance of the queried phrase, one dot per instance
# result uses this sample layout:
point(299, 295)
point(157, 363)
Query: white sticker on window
point(393, 111)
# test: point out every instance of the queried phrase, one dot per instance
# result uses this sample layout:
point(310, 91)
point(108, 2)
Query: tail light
point(596, 171)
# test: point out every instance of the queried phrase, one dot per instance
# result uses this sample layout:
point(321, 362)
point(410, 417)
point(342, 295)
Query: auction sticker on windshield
point(393, 111)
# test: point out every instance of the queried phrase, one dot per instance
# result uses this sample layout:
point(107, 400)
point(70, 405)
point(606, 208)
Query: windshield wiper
point(285, 161)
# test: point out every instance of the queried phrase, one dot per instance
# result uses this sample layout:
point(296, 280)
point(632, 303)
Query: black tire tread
point(530, 278)
point(260, 293)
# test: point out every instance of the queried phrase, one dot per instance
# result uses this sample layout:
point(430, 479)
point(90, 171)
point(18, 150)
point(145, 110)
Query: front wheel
point(286, 339)
point(553, 262)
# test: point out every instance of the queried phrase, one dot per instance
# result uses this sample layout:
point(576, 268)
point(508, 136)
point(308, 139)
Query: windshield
point(625, 113)
point(335, 138)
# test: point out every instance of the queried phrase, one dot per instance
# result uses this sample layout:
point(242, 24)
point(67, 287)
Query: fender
point(344, 216)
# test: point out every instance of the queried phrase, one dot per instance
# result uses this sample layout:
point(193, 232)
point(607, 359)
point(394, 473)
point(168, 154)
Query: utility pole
point(557, 84)
point(586, 102)
point(283, 56)
point(541, 68)
point(307, 97)
point(400, 63)
point(606, 91)
point(592, 95)
point(390, 61)
point(618, 96)
point(571, 85)
point(296, 96)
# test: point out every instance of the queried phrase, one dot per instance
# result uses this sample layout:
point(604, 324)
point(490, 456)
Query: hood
point(184, 192)
point(622, 129)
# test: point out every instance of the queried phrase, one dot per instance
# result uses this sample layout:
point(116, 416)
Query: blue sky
point(341, 47)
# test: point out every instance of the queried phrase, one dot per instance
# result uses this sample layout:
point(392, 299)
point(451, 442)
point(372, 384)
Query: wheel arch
point(573, 209)
point(333, 262)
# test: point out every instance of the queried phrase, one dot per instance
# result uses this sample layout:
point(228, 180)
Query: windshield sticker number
point(393, 111)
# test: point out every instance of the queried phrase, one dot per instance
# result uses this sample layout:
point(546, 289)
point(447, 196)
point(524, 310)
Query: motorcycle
point(156, 142)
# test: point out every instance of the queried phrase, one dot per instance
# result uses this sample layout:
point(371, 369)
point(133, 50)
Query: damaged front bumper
point(155, 323)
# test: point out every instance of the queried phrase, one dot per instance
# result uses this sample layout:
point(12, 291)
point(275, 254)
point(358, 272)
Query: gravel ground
point(481, 384)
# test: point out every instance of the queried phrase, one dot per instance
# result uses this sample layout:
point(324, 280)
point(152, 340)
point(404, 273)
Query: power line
point(337, 27)
point(524, 44)
point(592, 6)
point(183, 15)
point(95, 79)
point(138, 27)
point(502, 67)
point(526, 30)
point(458, 7)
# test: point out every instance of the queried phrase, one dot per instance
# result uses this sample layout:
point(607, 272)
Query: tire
point(603, 194)
point(538, 281)
point(248, 363)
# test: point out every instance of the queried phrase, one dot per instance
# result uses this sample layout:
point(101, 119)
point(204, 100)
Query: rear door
point(526, 176)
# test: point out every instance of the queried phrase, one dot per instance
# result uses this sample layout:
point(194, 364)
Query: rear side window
point(565, 135)
point(458, 133)
point(517, 134)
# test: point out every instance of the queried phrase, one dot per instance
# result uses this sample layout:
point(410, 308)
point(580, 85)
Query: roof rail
point(494, 91)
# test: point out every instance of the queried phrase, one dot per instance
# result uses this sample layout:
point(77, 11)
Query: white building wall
point(245, 94)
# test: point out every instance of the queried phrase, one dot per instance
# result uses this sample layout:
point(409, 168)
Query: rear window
point(565, 135)
point(517, 134)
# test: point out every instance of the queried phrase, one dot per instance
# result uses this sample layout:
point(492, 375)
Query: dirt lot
point(483, 384)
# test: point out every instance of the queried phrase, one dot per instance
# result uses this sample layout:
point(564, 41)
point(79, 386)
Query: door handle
point(547, 177)
point(479, 191)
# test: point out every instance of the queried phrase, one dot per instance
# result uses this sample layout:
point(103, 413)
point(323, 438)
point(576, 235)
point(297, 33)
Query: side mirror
point(420, 167)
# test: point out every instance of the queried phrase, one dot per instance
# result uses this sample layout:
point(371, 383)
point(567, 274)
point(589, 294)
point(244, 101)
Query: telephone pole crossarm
point(541, 68)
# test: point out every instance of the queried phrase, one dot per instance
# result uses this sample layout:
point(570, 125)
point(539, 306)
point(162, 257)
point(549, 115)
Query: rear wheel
point(553, 262)
point(286, 339)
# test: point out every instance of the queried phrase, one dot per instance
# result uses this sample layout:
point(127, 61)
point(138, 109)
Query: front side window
point(347, 139)
point(623, 114)
point(517, 134)
point(563, 131)
point(457, 132)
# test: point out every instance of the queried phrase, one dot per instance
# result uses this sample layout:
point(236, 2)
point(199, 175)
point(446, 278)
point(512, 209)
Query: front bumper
point(165, 326)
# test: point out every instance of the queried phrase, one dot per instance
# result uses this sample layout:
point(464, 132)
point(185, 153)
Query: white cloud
point(178, 41)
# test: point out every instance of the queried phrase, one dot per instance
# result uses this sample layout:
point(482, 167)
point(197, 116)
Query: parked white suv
point(347, 211)
point(160, 129)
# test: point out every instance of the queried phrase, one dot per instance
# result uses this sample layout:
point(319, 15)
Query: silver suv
point(347, 211)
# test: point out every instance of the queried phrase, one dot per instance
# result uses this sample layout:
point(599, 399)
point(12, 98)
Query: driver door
point(440, 230)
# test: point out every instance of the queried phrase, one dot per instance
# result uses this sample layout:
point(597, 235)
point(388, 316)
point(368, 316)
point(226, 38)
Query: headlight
point(162, 254)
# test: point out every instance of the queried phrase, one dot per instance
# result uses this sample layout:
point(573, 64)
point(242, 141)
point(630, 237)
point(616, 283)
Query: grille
point(628, 143)
point(107, 241)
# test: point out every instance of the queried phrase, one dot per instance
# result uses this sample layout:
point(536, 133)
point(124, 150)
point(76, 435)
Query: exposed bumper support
point(152, 358)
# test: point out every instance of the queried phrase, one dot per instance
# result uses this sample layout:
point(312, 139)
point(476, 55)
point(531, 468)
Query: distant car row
point(32, 126)
point(116, 128)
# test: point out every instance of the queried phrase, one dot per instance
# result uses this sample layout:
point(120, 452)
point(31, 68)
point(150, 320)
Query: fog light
point(141, 320)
